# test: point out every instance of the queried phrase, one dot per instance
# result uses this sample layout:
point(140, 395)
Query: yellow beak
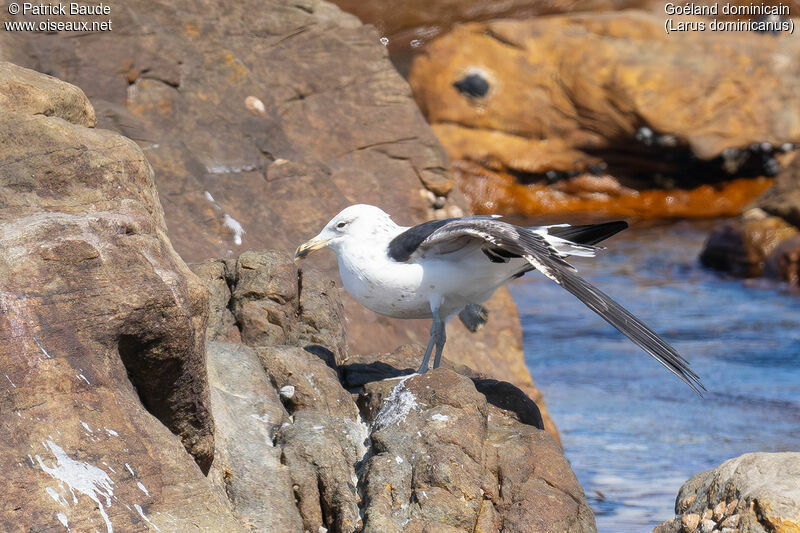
point(310, 246)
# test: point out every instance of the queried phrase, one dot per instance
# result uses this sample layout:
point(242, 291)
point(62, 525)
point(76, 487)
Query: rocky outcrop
point(604, 112)
point(127, 375)
point(262, 119)
point(753, 493)
point(263, 299)
point(102, 330)
point(437, 452)
point(764, 240)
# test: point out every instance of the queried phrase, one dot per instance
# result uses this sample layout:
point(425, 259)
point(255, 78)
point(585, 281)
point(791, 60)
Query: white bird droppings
point(86, 426)
point(41, 348)
point(144, 517)
point(130, 469)
point(263, 418)
point(209, 197)
point(399, 460)
point(440, 417)
point(112, 432)
point(287, 391)
point(396, 407)
point(9, 380)
point(236, 227)
point(142, 487)
point(81, 477)
point(63, 519)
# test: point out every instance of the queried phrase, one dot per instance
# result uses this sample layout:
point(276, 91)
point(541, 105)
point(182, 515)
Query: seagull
point(441, 268)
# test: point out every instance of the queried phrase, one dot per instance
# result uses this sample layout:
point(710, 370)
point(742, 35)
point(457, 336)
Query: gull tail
point(589, 234)
point(630, 326)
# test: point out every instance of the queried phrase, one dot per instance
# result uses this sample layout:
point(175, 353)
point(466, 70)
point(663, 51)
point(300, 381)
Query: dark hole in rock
point(472, 85)
point(152, 378)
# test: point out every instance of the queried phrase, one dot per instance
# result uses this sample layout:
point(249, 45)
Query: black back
point(404, 245)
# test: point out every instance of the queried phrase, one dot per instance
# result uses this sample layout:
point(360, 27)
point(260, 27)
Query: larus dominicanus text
point(443, 267)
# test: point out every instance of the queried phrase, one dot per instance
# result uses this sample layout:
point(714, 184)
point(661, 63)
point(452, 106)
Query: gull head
point(359, 222)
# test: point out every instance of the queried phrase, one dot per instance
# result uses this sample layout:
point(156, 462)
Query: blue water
point(632, 431)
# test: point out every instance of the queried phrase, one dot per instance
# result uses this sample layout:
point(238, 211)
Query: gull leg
point(440, 340)
point(424, 366)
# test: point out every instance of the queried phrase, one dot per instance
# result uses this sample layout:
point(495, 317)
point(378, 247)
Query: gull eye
point(340, 225)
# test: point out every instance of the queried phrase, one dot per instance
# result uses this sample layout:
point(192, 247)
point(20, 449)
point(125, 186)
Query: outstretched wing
point(505, 240)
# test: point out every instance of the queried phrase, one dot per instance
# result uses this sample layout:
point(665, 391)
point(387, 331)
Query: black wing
point(534, 248)
point(402, 247)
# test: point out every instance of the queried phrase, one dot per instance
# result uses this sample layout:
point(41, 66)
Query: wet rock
point(783, 198)
point(755, 492)
point(102, 330)
point(591, 104)
point(741, 247)
point(262, 120)
point(784, 262)
point(763, 240)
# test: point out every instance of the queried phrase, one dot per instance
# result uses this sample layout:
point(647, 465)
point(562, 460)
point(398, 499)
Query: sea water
point(632, 431)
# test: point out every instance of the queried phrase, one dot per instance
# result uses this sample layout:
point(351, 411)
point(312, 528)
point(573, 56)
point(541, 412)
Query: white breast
point(381, 284)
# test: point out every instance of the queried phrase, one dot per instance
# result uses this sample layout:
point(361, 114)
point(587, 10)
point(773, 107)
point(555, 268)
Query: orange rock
point(537, 101)
point(499, 192)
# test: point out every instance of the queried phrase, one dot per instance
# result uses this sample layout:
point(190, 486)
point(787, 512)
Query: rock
point(102, 331)
point(690, 521)
point(645, 111)
point(763, 240)
point(442, 456)
point(261, 307)
point(262, 120)
point(324, 441)
point(247, 465)
point(741, 247)
point(784, 261)
point(263, 299)
point(783, 198)
point(441, 452)
point(754, 493)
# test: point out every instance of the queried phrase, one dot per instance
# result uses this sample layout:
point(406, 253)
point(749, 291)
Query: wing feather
point(541, 255)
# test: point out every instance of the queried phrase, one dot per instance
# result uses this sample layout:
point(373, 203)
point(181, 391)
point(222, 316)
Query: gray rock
point(247, 465)
point(753, 493)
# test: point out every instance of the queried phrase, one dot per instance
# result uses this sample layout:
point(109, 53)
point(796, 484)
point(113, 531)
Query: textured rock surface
point(552, 99)
point(424, 453)
point(753, 493)
point(263, 299)
point(441, 455)
point(262, 119)
point(741, 246)
point(764, 239)
point(352, 441)
point(102, 331)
